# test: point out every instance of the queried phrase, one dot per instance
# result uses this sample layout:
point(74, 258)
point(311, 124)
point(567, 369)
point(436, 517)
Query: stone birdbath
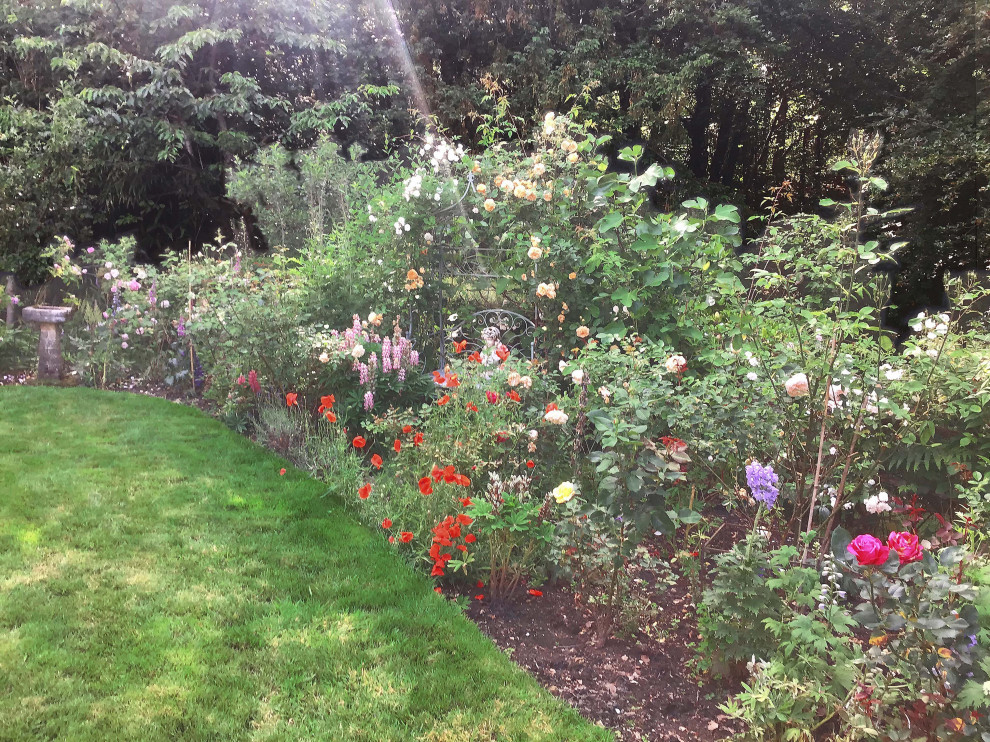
point(51, 320)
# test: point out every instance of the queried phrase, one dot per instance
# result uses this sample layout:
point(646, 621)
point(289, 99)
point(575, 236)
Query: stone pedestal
point(51, 320)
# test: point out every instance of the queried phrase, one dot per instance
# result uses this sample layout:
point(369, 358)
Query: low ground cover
point(159, 579)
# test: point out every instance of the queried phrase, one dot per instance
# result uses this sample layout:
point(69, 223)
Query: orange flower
point(582, 332)
point(331, 417)
point(452, 381)
point(364, 491)
point(472, 407)
point(466, 502)
point(290, 399)
point(405, 537)
point(502, 352)
point(359, 442)
point(443, 400)
point(376, 461)
point(475, 357)
point(514, 395)
point(397, 445)
point(407, 428)
point(460, 346)
point(326, 403)
point(426, 486)
point(386, 524)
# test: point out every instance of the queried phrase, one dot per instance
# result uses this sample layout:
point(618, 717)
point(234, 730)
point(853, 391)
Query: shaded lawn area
point(159, 580)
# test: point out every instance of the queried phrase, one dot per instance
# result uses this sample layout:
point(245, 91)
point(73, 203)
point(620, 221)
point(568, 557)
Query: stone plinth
point(51, 320)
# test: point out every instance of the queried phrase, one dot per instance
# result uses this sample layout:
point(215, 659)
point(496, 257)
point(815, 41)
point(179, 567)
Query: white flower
point(752, 376)
point(324, 358)
point(577, 377)
point(832, 451)
point(556, 417)
point(604, 393)
point(428, 238)
point(357, 351)
point(894, 374)
point(166, 304)
point(533, 435)
point(876, 505)
point(676, 364)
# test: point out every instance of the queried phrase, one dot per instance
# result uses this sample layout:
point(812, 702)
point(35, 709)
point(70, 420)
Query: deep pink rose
point(906, 545)
point(869, 550)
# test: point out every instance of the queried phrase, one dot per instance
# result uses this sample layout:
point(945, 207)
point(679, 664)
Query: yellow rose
point(563, 492)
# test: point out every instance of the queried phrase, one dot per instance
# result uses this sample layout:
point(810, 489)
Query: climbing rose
point(583, 332)
point(906, 545)
point(797, 386)
point(868, 550)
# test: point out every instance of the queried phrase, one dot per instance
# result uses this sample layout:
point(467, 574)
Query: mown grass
point(160, 581)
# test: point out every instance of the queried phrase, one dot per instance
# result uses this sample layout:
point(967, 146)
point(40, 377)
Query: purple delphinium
point(762, 483)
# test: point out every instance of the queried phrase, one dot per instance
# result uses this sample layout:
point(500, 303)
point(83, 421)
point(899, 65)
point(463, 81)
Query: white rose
point(357, 351)
point(578, 377)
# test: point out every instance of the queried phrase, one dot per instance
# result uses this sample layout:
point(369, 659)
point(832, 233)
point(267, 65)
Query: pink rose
point(868, 550)
point(797, 386)
point(906, 545)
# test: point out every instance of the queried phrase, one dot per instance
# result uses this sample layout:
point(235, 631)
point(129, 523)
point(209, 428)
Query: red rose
point(869, 550)
point(906, 545)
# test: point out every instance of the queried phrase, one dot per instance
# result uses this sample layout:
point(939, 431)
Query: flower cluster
point(762, 482)
point(871, 551)
point(446, 534)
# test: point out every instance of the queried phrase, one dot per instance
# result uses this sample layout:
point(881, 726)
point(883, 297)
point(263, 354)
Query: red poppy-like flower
point(376, 461)
point(443, 400)
point(391, 539)
point(397, 445)
point(326, 403)
point(479, 583)
point(466, 502)
point(450, 474)
point(290, 399)
point(502, 352)
point(461, 547)
point(906, 545)
point(475, 357)
point(436, 473)
point(514, 395)
point(331, 417)
point(452, 381)
point(492, 397)
point(530, 464)
point(359, 442)
point(438, 378)
point(462, 480)
point(470, 538)
point(426, 486)
point(438, 590)
point(535, 592)
point(386, 524)
point(405, 537)
point(437, 571)
point(465, 519)
point(551, 407)
point(472, 407)
point(460, 346)
point(868, 550)
point(407, 428)
point(364, 491)
point(281, 472)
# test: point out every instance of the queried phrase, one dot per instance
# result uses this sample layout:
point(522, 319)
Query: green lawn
point(160, 581)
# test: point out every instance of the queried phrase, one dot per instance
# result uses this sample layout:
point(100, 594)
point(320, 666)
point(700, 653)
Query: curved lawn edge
point(160, 580)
